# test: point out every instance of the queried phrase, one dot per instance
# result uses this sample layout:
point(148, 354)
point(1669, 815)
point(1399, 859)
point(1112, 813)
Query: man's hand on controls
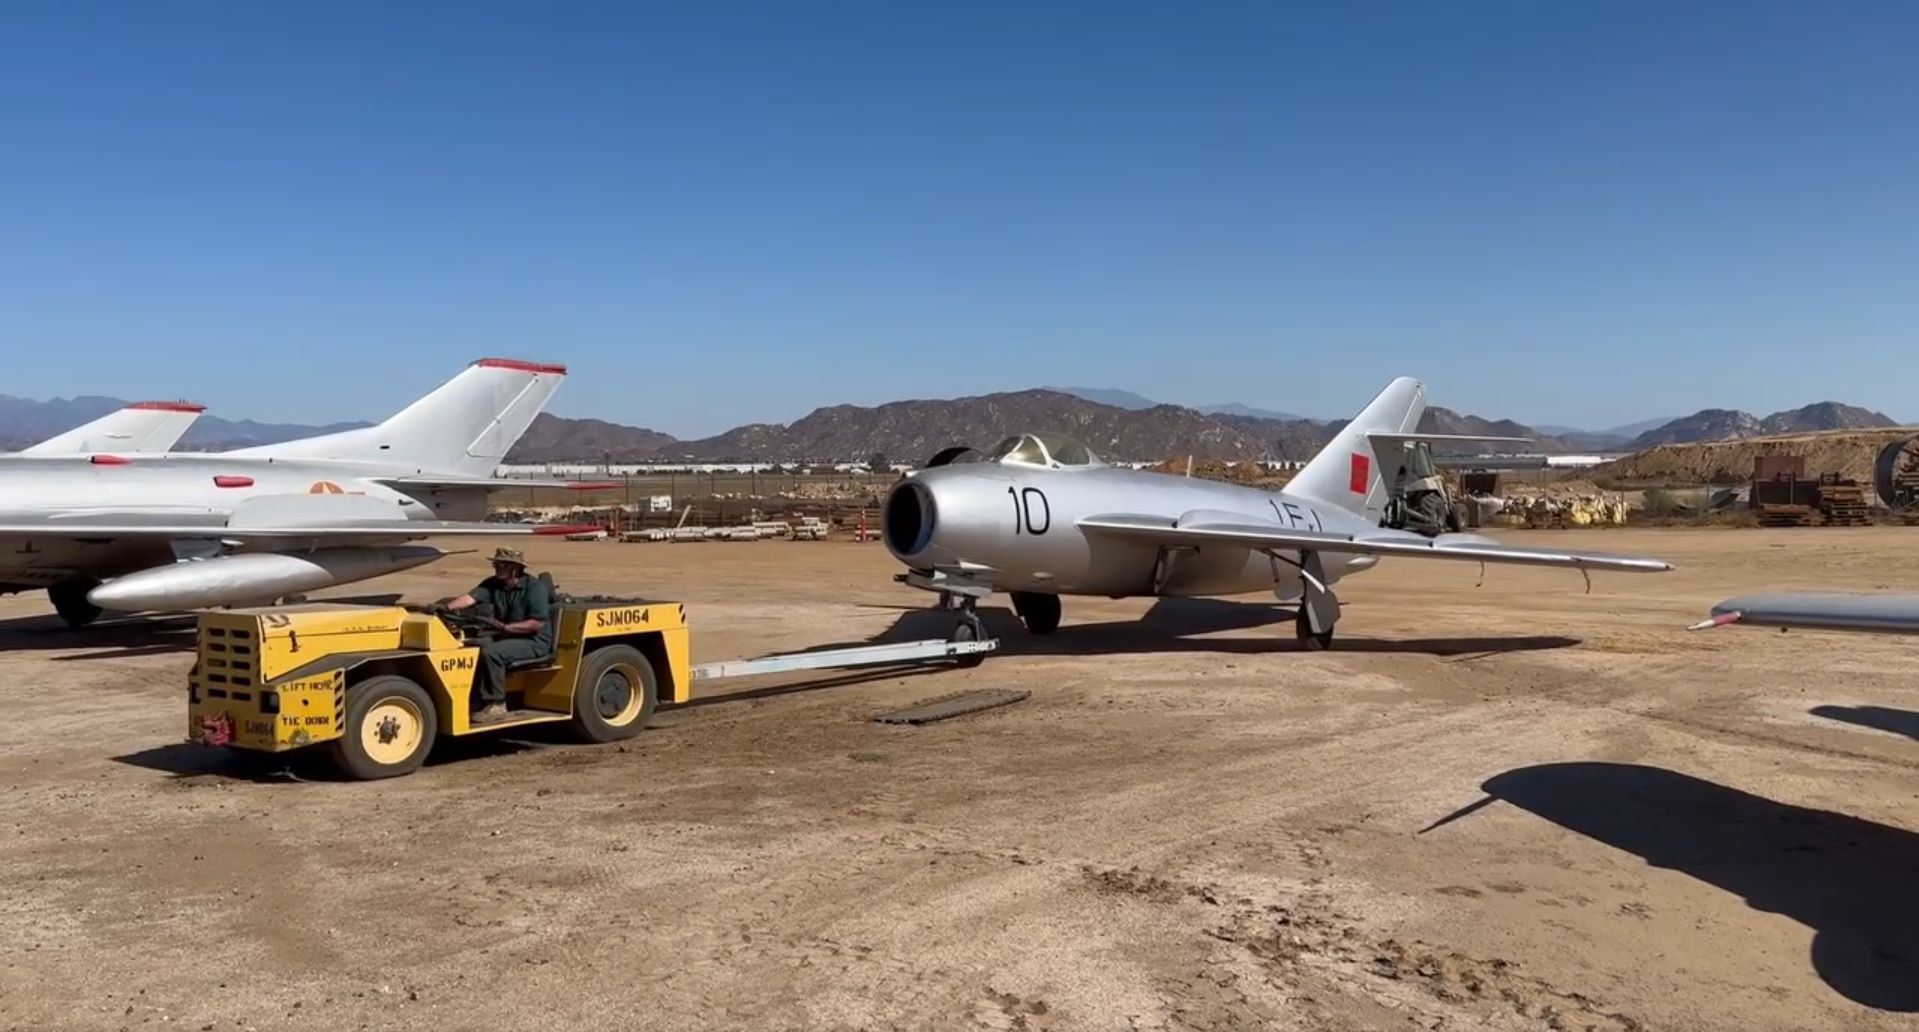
point(516, 627)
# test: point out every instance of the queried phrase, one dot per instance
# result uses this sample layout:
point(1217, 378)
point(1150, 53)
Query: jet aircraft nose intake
point(906, 525)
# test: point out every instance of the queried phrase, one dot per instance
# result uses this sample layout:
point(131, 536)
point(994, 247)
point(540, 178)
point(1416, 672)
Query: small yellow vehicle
point(375, 686)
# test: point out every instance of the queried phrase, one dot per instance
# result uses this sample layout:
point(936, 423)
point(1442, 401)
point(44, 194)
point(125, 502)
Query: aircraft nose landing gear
point(959, 588)
point(969, 628)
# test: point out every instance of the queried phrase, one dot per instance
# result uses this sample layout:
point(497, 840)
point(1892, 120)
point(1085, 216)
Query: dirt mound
point(1850, 453)
point(1250, 473)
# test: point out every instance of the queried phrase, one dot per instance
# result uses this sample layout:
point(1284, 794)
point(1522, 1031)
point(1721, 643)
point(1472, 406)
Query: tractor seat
point(530, 663)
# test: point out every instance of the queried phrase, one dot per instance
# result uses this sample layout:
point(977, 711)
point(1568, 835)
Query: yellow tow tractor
point(375, 686)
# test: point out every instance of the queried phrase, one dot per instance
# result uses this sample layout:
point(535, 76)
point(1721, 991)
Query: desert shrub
point(1660, 502)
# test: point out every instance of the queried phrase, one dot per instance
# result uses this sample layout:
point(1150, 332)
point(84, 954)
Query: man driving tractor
point(519, 607)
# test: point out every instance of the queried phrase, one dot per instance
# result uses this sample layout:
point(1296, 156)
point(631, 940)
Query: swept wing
point(428, 482)
point(1882, 614)
point(125, 525)
point(277, 516)
point(1379, 437)
point(1254, 535)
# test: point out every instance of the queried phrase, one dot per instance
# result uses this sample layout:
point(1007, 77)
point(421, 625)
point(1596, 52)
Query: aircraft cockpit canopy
point(1050, 451)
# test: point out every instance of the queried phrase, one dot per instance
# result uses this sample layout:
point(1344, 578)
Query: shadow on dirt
point(1883, 718)
point(187, 760)
point(124, 637)
point(1174, 625)
point(1848, 879)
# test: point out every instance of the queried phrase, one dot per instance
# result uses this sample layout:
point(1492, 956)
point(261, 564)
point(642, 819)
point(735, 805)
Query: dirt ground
point(1511, 806)
point(1850, 453)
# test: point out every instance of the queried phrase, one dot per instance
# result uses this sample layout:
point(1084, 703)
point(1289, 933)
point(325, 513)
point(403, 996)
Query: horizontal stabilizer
point(1254, 535)
point(142, 428)
point(1877, 614)
point(1399, 439)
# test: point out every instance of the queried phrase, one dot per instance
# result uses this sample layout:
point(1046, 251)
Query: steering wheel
point(466, 621)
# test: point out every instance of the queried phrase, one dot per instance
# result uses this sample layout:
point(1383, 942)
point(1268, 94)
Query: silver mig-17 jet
point(1043, 517)
point(140, 428)
point(132, 532)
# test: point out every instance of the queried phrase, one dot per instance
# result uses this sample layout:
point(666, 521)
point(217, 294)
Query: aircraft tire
point(1307, 639)
point(968, 630)
point(1040, 612)
point(69, 598)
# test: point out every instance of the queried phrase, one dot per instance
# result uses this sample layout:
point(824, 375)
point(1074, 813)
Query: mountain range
point(1128, 400)
point(25, 421)
point(1730, 424)
point(911, 430)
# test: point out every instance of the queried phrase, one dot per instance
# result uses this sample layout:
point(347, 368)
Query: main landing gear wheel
point(969, 628)
point(69, 598)
point(390, 723)
point(1040, 612)
point(1303, 629)
point(615, 695)
point(1318, 607)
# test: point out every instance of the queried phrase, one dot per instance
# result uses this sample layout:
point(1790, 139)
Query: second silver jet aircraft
point(1045, 518)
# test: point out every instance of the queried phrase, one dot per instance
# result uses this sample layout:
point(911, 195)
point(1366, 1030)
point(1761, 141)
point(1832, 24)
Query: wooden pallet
point(1782, 515)
point(1843, 502)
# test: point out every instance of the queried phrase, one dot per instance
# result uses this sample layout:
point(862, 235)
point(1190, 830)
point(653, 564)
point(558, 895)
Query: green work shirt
point(528, 601)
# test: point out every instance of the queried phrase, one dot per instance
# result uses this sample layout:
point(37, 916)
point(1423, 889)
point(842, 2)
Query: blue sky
point(720, 212)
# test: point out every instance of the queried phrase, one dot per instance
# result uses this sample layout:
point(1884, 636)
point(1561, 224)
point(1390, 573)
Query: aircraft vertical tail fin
point(464, 427)
point(144, 427)
point(1346, 472)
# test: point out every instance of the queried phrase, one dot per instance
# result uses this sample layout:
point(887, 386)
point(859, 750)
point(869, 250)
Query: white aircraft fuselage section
point(177, 488)
point(150, 532)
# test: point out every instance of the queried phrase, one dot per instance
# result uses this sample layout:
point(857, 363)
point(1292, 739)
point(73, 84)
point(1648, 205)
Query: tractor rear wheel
point(390, 725)
point(615, 695)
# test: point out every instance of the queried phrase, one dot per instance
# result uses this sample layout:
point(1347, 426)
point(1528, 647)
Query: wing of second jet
point(1255, 535)
point(1882, 614)
point(126, 525)
point(430, 482)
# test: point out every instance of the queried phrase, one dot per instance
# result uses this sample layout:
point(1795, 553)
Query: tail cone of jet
point(253, 577)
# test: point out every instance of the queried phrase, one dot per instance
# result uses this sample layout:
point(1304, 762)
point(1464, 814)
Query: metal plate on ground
point(957, 704)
